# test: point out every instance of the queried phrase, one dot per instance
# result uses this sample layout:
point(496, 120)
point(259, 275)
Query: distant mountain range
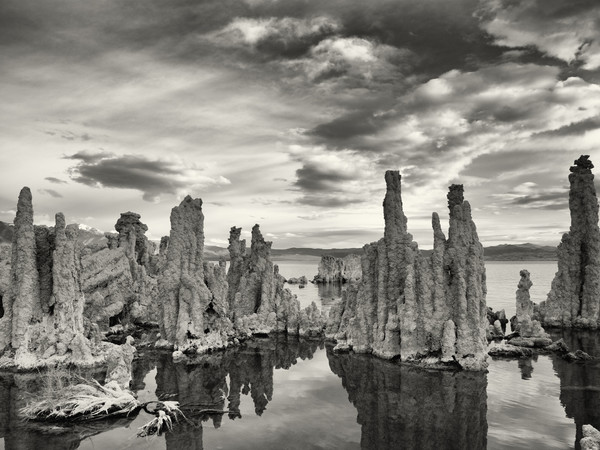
point(87, 235)
point(504, 252)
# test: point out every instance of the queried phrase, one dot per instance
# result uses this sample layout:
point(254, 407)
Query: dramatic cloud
point(153, 177)
point(569, 31)
point(529, 195)
point(282, 37)
point(289, 112)
point(331, 179)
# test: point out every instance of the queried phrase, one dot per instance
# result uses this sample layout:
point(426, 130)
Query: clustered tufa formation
point(338, 270)
point(574, 298)
point(43, 308)
point(415, 306)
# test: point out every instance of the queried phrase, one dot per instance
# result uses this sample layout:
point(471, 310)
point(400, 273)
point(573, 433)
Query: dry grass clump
point(68, 396)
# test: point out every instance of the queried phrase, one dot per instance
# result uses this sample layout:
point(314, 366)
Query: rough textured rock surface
point(192, 315)
point(591, 438)
point(259, 304)
point(531, 333)
point(22, 303)
point(416, 306)
point(574, 298)
point(338, 270)
point(44, 317)
point(119, 280)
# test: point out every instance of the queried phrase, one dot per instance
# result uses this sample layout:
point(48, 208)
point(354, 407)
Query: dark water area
point(282, 392)
point(288, 393)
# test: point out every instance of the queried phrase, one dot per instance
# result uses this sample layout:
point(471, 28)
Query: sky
point(287, 113)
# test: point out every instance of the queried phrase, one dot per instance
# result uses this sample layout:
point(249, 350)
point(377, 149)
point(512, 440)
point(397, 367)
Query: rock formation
point(417, 306)
point(258, 301)
point(22, 303)
point(531, 333)
point(194, 316)
point(574, 298)
point(43, 317)
point(590, 439)
point(338, 270)
point(119, 279)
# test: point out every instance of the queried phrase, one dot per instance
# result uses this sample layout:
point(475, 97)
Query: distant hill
point(504, 252)
point(520, 252)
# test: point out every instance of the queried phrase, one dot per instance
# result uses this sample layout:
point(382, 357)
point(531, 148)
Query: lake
point(285, 393)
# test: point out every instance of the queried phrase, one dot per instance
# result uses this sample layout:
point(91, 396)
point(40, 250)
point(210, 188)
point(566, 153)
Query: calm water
point(289, 394)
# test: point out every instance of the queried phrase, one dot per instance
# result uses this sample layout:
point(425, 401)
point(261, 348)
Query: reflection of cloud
point(153, 177)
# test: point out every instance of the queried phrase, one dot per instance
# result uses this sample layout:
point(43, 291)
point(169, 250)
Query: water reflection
point(401, 406)
point(579, 382)
point(329, 292)
point(18, 434)
point(215, 383)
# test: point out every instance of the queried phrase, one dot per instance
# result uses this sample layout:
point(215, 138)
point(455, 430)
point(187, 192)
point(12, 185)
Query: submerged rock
point(574, 298)
point(417, 306)
point(338, 270)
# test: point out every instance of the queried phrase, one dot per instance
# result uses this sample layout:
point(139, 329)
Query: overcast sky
point(288, 112)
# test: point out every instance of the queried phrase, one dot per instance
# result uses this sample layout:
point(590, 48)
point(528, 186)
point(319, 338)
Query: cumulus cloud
point(568, 31)
point(153, 177)
point(436, 130)
point(353, 62)
point(283, 37)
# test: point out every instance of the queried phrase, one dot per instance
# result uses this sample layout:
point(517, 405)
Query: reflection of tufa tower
point(204, 385)
point(574, 299)
point(405, 407)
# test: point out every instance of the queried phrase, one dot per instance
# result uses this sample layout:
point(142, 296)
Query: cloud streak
point(153, 177)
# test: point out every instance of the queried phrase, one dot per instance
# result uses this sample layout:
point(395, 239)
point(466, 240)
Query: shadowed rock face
point(416, 306)
point(403, 407)
point(574, 298)
point(190, 310)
